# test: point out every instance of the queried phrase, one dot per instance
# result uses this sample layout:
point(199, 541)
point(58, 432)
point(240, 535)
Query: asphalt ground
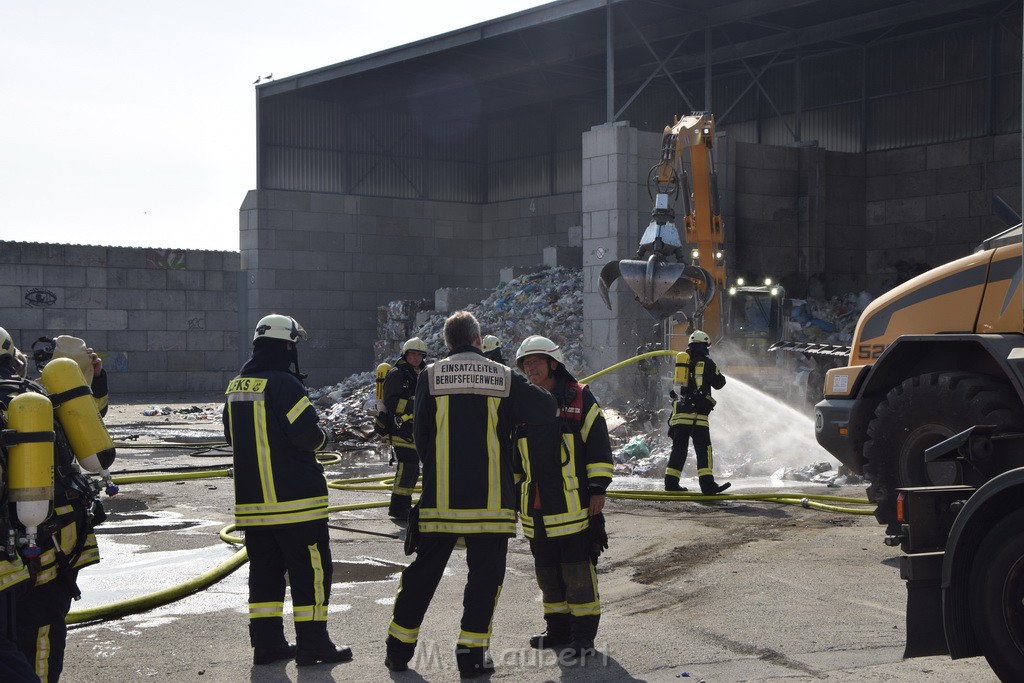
point(733, 591)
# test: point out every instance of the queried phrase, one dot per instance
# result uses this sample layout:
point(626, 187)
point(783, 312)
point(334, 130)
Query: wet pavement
point(744, 591)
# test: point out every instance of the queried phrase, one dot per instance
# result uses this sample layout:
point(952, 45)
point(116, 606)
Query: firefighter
point(43, 605)
point(281, 497)
point(561, 496)
point(399, 395)
point(466, 407)
point(697, 375)
point(491, 348)
point(14, 575)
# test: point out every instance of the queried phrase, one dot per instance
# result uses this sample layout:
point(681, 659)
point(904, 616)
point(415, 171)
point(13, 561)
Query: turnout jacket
point(399, 395)
point(558, 475)
point(695, 402)
point(274, 432)
point(466, 407)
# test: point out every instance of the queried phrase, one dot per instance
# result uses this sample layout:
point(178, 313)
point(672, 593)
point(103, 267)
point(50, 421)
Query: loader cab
point(754, 315)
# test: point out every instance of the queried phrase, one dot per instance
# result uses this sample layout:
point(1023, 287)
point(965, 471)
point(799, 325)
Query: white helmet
point(538, 344)
point(490, 343)
point(277, 326)
point(6, 344)
point(699, 337)
point(415, 344)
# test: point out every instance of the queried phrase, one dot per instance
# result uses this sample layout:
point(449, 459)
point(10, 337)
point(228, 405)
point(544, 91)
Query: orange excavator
point(667, 276)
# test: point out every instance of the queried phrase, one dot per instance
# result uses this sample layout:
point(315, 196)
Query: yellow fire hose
point(382, 484)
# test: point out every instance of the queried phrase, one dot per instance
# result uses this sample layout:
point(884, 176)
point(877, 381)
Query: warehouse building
point(858, 143)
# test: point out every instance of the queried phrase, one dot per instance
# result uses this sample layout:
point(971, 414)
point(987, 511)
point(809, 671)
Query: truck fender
point(989, 504)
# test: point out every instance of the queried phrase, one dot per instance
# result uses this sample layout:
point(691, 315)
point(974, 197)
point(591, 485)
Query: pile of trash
point(832, 321)
point(191, 413)
point(547, 302)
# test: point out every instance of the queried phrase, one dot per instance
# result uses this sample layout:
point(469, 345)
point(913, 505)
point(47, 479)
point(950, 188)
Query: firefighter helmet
point(490, 343)
point(415, 344)
point(277, 326)
point(700, 337)
point(541, 345)
point(6, 344)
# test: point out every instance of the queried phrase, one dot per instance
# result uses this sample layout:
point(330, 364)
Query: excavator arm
point(668, 276)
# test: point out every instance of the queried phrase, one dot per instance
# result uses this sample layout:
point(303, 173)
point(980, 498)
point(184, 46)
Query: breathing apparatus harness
point(79, 491)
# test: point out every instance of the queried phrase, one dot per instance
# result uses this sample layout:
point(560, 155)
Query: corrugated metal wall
point(949, 85)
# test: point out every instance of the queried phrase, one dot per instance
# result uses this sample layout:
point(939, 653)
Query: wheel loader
point(933, 357)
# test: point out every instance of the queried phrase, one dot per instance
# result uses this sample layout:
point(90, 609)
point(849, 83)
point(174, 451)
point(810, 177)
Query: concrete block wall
point(164, 321)
point(331, 260)
point(931, 204)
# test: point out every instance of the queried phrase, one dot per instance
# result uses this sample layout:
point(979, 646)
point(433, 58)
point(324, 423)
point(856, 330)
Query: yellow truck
point(931, 358)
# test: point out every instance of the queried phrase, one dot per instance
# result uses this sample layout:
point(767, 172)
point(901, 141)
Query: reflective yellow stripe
point(259, 610)
point(599, 469)
point(524, 489)
point(283, 506)
point(463, 528)
point(316, 561)
point(441, 446)
point(567, 529)
point(406, 635)
point(259, 419)
point(592, 415)
point(493, 454)
point(42, 663)
point(470, 639)
point(271, 520)
point(672, 472)
point(585, 609)
point(467, 514)
point(698, 374)
point(556, 607)
point(572, 484)
point(298, 408)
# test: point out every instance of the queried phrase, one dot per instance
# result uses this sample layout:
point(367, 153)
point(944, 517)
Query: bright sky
point(132, 122)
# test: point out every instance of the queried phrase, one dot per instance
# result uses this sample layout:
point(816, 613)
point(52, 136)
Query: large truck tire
point(996, 592)
point(920, 413)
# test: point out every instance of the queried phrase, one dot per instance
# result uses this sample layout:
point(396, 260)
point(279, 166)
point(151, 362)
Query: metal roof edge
point(552, 11)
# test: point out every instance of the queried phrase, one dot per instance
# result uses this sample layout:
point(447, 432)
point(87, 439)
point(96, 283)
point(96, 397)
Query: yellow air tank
point(682, 373)
point(30, 463)
point(382, 373)
point(80, 418)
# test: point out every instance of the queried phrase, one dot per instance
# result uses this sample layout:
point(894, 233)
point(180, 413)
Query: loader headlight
point(694, 253)
point(732, 291)
point(740, 281)
point(774, 291)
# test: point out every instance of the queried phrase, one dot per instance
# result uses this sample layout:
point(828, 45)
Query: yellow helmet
point(277, 326)
point(541, 345)
point(415, 344)
point(490, 343)
point(699, 337)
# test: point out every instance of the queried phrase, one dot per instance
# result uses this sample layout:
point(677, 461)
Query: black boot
point(672, 483)
point(473, 662)
point(584, 630)
point(315, 646)
point(398, 654)
point(399, 507)
point(709, 487)
point(268, 642)
point(555, 635)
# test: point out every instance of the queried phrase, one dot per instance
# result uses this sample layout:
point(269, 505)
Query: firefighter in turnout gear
point(562, 494)
point(14, 575)
point(466, 408)
point(696, 375)
point(491, 347)
point(281, 497)
point(399, 395)
point(66, 542)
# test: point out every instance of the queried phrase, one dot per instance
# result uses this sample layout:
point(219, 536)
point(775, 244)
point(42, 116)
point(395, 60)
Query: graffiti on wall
point(38, 297)
point(166, 259)
point(197, 323)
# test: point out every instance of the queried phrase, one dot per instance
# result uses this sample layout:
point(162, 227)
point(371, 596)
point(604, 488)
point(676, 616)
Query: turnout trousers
point(405, 480)
point(681, 435)
point(568, 584)
point(485, 556)
point(42, 633)
point(303, 553)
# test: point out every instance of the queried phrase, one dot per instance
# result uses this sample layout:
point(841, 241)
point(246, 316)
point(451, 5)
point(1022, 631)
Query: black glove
point(412, 531)
point(672, 394)
point(598, 537)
